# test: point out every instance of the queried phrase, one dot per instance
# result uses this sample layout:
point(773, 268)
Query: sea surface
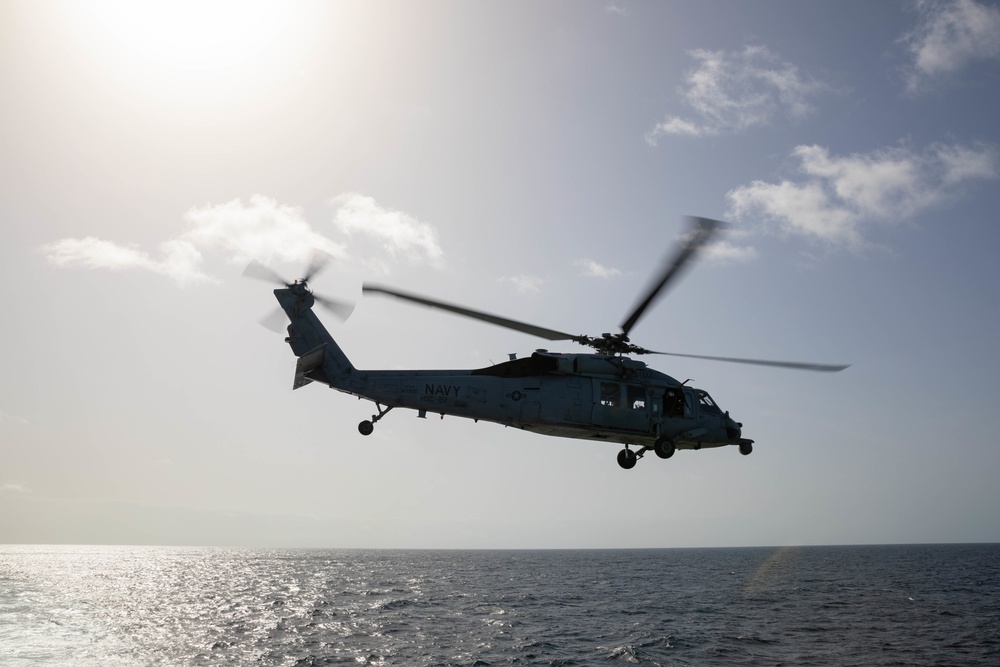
point(865, 605)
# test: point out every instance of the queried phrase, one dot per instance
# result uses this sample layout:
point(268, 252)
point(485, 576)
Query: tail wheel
point(366, 427)
point(627, 459)
point(746, 448)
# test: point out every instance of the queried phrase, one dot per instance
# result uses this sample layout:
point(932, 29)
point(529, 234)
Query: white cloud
point(262, 229)
point(14, 487)
point(951, 35)
point(397, 232)
point(962, 163)
point(524, 283)
point(612, 8)
point(726, 252)
point(595, 270)
point(730, 92)
point(836, 197)
point(4, 417)
point(678, 126)
point(179, 259)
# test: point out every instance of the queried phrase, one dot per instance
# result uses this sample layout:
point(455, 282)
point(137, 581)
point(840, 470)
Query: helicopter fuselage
point(588, 396)
point(605, 395)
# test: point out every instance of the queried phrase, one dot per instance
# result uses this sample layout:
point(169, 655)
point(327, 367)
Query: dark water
point(888, 605)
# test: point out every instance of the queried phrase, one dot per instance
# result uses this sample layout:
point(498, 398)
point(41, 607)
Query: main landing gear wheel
point(664, 448)
point(627, 459)
point(746, 448)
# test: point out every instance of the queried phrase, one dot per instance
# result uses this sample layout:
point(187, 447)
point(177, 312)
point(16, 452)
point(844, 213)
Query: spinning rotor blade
point(702, 230)
point(541, 332)
point(341, 309)
point(318, 262)
point(276, 321)
point(797, 365)
point(259, 271)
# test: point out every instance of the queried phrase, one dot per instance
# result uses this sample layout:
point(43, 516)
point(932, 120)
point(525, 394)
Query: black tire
point(627, 459)
point(746, 448)
point(664, 448)
point(366, 427)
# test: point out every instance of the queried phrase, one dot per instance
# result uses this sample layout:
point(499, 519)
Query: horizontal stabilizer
point(306, 364)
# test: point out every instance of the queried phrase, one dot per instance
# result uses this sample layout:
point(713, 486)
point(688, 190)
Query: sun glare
point(193, 35)
point(194, 54)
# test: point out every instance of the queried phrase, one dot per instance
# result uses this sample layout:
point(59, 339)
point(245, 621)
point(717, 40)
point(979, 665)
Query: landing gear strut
point(366, 427)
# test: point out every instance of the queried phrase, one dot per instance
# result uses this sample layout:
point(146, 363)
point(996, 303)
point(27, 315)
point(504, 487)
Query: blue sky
point(530, 159)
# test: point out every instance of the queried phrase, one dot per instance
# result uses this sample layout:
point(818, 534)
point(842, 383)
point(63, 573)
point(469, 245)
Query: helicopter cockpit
point(679, 402)
point(707, 405)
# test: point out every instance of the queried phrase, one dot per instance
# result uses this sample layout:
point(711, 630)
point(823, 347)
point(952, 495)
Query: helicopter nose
point(733, 428)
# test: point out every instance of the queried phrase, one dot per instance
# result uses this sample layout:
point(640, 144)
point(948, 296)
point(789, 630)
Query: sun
point(193, 54)
point(193, 35)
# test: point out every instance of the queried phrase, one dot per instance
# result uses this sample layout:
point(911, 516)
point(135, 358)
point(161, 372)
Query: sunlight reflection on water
point(192, 606)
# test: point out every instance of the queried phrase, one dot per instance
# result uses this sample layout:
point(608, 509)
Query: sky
point(534, 160)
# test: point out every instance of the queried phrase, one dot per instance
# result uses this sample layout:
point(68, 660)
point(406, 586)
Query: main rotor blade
point(797, 365)
point(702, 230)
point(260, 271)
point(541, 332)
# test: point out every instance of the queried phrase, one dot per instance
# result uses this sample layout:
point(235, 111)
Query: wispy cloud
point(950, 36)
point(14, 487)
point(261, 229)
point(524, 282)
point(396, 232)
point(12, 419)
point(613, 8)
point(178, 259)
point(264, 229)
point(835, 198)
point(732, 91)
point(724, 252)
point(594, 270)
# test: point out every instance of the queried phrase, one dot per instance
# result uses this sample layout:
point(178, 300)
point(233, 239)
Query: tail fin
point(320, 358)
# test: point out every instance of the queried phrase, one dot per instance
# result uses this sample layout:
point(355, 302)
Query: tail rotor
point(275, 321)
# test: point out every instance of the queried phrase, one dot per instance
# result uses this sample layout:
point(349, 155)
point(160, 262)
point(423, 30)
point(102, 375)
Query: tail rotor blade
point(259, 271)
point(318, 262)
point(341, 309)
point(276, 321)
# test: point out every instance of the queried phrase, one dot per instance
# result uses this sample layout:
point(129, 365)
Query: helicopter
point(604, 395)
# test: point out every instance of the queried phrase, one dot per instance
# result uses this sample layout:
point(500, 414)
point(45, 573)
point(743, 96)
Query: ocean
point(846, 605)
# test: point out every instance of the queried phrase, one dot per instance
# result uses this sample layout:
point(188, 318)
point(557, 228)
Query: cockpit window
point(707, 404)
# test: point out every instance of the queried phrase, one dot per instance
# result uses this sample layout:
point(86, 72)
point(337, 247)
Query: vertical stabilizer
point(320, 358)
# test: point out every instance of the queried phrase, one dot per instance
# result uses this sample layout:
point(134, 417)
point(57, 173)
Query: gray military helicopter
point(603, 395)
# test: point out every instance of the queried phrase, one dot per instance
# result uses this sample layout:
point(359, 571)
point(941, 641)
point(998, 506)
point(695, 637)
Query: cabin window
point(673, 403)
point(635, 397)
point(611, 394)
